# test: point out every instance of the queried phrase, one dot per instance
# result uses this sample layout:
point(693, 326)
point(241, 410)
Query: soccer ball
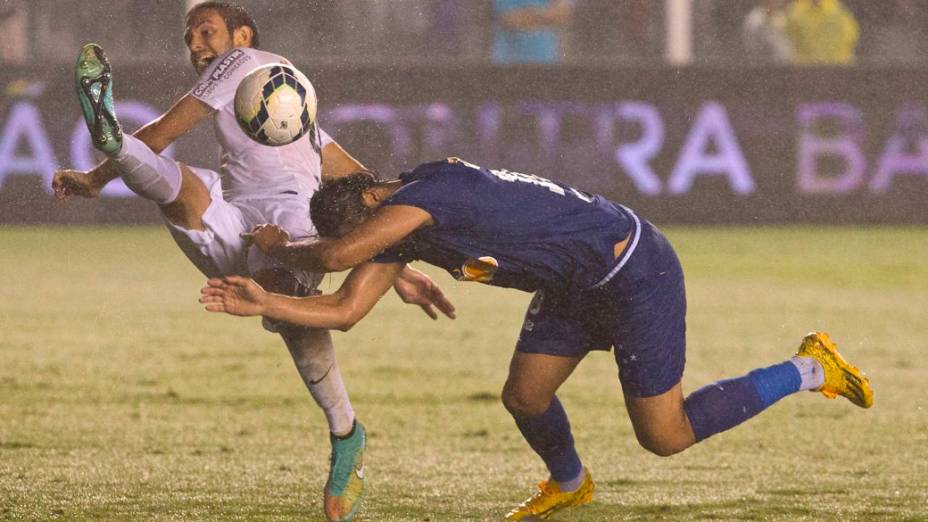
point(275, 104)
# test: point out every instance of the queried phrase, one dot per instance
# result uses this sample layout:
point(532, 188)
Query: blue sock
point(725, 404)
point(549, 435)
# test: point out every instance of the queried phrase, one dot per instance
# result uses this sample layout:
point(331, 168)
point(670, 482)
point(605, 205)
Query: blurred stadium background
point(800, 136)
point(703, 111)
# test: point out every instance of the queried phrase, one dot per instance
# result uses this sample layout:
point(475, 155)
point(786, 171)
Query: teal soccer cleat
point(346, 475)
point(94, 78)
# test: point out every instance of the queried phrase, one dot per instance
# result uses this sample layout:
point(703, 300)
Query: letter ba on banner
point(836, 131)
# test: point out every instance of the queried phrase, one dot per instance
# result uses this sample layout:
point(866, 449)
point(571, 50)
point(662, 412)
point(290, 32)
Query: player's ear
point(371, 198)
point(242, 37)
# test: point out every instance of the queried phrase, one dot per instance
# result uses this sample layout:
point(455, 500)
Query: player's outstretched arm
point(180, 118)
point(416, 288)
point(363, 287)
point(183, 116)
point(234, 295)
point(387, 227)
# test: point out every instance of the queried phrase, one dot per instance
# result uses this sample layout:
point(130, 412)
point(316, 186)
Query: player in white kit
point(207, 211)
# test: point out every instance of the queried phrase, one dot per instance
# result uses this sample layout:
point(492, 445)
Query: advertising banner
point(700, 145)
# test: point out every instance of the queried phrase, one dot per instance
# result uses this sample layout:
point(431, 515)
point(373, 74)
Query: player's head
point(343, 203)
point(212, 28)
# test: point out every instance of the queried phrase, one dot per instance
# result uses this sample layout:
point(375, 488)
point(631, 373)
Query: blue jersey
point(509, 229)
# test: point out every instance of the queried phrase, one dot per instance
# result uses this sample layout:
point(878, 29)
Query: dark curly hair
point(338, 206)
point(233, 15)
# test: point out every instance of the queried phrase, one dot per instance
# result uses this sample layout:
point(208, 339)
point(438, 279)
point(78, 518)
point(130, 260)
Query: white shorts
point(219, 250)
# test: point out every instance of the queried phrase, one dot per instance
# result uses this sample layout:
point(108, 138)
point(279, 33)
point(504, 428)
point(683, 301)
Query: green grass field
point(121, 399)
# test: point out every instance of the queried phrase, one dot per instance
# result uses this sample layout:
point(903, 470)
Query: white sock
point(574, 483)
point(149, 175)
point(314, 356)
point(810, 371)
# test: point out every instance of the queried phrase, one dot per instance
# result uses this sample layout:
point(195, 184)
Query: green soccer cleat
point(346, 475)
point(94, 77)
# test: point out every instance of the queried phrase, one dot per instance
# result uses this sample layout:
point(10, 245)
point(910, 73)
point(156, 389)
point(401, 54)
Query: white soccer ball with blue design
point(275, 104)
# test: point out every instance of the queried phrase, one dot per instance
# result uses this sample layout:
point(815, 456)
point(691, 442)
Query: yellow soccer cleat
point(841, 377)
point(549, 499)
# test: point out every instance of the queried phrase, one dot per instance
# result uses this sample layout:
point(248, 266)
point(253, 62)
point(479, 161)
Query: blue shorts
point(640, 311)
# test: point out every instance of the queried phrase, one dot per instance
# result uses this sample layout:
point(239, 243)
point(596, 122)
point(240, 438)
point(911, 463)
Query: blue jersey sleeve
point(440, 189)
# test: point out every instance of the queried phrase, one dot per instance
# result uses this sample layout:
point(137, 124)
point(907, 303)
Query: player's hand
point(70, 182)
point(414, 287)
point(266, 237)
point(234, 295)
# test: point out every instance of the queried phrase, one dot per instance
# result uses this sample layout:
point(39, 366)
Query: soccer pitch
point(121, 399)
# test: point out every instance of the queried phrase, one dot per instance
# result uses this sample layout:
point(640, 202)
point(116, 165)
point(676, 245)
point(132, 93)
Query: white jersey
point(247, 168)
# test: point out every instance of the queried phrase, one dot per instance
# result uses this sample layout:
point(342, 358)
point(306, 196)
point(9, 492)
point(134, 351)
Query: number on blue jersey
point(508, 175)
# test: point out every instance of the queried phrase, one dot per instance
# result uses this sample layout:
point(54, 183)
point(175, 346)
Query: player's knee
point(522, 405)
point(185, 196)
point(661, 444)
point(660, 422)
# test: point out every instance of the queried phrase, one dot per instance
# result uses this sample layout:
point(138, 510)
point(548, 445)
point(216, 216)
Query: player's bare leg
point(191, 203)
point(529, 395)
point(533, 381)
point(660, 422)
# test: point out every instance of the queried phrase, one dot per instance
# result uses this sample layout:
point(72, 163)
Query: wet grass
point(121, 399)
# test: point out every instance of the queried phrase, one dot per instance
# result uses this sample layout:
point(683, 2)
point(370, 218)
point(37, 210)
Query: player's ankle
point(345, 435)
point(811, 373)
point(573, 484)
point(118, 153)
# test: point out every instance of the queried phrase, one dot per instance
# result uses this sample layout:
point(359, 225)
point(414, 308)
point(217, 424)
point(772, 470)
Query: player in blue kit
point(603, 279)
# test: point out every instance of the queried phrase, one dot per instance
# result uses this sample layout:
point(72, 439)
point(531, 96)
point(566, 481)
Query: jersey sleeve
point(324, 138)
point(441, 194)
point(216, 86)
